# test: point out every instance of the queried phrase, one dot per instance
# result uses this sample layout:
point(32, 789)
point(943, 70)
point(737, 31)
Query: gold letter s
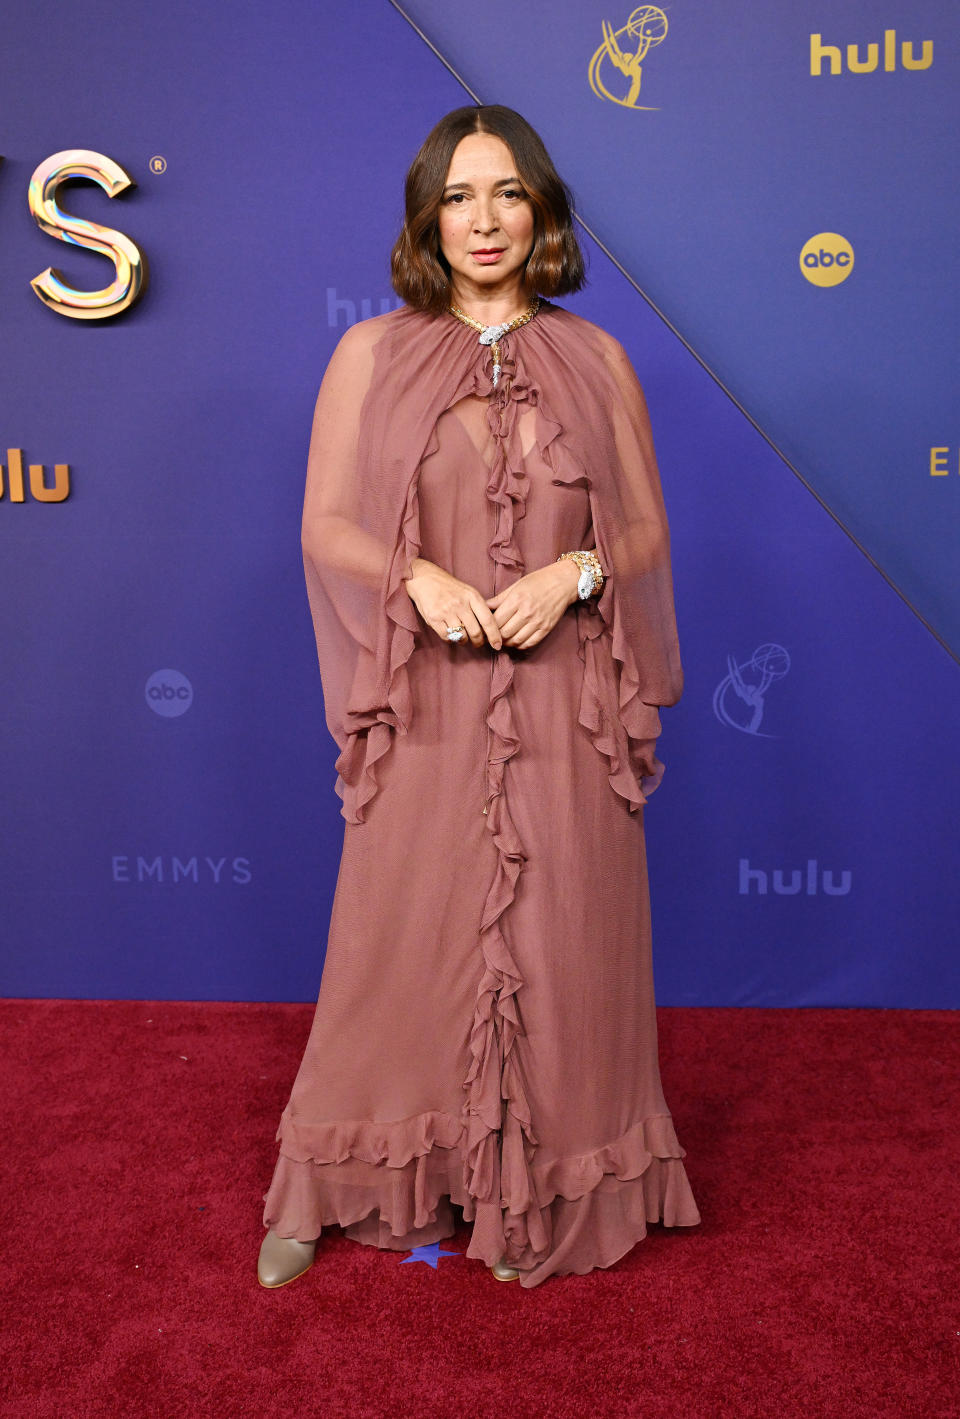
point(130, 264)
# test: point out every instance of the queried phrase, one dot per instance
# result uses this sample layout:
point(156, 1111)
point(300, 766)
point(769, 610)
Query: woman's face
point(484, 208)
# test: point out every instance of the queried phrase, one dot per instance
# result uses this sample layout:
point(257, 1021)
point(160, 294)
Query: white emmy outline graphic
point(769, 662)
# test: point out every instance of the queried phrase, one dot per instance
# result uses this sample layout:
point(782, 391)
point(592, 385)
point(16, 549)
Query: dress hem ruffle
point(606, 1195)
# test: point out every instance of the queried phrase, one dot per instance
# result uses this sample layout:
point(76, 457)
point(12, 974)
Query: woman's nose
point(485, 221)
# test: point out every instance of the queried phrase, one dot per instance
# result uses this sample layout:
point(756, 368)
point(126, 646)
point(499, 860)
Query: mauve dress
point(488, 974)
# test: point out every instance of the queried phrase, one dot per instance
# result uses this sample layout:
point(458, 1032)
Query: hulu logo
point(860, 64)
point(791, 883)
point(353, 310)
point(13, 484)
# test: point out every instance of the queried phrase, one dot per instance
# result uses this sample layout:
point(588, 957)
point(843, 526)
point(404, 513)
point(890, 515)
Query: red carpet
point(822, 1147)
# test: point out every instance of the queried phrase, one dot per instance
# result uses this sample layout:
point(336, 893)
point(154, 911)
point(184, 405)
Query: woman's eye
point(458, 198)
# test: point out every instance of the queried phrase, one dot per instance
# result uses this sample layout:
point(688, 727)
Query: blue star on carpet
point(428, 1254)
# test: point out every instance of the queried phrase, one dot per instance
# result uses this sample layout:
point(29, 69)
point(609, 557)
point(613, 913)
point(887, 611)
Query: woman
point(487, 563)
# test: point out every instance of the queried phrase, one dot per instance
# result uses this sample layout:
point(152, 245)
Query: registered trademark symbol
point(158, 164)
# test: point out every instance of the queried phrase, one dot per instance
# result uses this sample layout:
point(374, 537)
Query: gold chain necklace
point(492, 334)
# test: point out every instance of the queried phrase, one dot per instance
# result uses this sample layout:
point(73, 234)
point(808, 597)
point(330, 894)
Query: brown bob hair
point(419, 272)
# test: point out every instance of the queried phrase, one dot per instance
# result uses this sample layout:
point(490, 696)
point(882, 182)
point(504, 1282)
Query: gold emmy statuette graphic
point(129, 262)
point(13, 484)
point(646, 27)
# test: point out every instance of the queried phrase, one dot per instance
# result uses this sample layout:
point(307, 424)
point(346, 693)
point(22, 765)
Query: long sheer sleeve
point(335, 544)
point(638, 541)
point(363, 619)
point(630, 647)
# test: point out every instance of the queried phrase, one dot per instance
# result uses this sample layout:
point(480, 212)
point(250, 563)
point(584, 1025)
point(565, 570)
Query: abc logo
point(169, 693)
point(826, 259)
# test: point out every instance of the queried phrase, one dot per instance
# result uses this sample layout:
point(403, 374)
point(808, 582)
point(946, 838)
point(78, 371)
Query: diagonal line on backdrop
point(954, 655)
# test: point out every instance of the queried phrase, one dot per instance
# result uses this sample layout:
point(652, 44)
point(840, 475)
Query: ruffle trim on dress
point(630, 1155)
point(622, 726)
point(638, 1178)
point(380, 700)
point(500, 1141)
point(392, 1206)
point(619, 1188)
point(393, 1143)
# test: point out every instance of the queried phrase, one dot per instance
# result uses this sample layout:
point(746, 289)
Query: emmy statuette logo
point(619, 59)
point(740, 698)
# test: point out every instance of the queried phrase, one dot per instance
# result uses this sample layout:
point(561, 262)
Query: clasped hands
point(519, 616)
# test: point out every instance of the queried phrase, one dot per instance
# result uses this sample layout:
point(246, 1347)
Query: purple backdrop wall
point(170, 826)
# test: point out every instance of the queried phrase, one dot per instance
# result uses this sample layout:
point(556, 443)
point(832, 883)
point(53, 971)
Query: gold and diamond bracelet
point(591, 573)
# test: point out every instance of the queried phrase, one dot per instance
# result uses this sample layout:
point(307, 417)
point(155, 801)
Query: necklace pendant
point(490, 335)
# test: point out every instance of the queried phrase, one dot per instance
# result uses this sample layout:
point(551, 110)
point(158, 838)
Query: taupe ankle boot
point(503, 1272)
point(283, 1259)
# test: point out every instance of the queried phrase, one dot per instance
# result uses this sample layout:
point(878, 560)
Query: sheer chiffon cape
point(384, 388)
